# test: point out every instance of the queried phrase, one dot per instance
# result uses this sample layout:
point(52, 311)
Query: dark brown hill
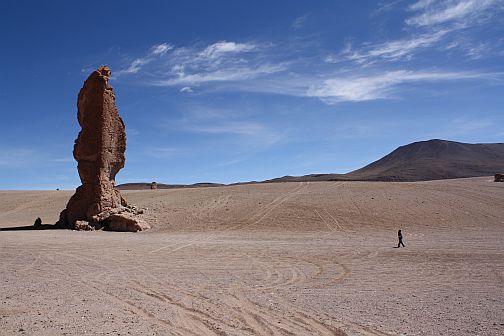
point(422, 161)
point(435, 160)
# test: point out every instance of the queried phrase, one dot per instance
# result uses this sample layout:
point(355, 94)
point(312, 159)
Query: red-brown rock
point(126, 221)
point(99, 151)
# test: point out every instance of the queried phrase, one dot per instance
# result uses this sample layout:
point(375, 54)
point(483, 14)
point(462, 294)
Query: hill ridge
point(433, 159)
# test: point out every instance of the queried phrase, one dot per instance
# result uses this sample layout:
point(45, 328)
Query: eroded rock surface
point(499, 178)
point(99, 151)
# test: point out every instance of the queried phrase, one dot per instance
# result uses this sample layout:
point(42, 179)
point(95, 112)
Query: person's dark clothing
point(399, 235)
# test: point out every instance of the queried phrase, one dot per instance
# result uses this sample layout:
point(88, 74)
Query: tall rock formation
point(99, 151)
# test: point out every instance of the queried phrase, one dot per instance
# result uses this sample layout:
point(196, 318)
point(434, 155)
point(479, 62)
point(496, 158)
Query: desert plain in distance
point(294, 258)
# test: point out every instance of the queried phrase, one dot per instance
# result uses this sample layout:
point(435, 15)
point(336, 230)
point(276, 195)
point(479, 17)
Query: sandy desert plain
point(263, 259)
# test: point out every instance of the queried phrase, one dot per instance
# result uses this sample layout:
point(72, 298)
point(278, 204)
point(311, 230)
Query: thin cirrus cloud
point(224, 67)
point(20, 157)
point(186, 89)
point(402, 49)
point(17, 157)
point(363, 86)
point(193, 66)
point(136, 65)
point(429, 12)
point(223, 63)
point(209, 122)
point(164, 152)
point(258, 134)
point(380, 69)
point(221, 48)
point(430, 24)
point(243, 128)
point(381, 86)
point(236, 73)
point(299, 22)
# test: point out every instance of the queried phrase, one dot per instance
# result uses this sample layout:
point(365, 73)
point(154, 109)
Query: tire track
point(255, 219)
point(130, 307)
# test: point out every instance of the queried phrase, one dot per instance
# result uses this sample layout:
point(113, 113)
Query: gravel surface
point(274, 259)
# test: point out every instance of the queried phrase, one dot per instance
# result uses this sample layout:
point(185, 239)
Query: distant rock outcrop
point(153, 186)
point(99, 151)
point(499, 177)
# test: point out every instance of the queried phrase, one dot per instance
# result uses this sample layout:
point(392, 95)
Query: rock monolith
point(99, 151)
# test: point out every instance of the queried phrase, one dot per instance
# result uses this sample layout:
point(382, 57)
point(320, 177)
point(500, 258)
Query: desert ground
point(302, 258)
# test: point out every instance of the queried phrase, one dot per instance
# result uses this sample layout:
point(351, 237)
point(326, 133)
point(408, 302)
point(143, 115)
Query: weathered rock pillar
point(99, 151)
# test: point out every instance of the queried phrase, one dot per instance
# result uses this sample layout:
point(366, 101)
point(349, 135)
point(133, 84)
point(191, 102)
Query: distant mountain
point(145, 185)
point(435, 160)
point(419, 161)
point(424, 160)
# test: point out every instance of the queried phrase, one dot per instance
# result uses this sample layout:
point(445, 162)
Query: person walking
point(399, 235)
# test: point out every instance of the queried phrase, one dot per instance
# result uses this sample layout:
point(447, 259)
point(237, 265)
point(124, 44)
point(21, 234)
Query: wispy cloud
point(211, 122)
point(365, 86)
point(380, 86)
point(25, 157)
point(164, 152)
point(137, 64)
point(388, 51)
point(421, 4)
point(194, 65)
point(386, 6)
point(429, 12)
point(243, 128)
point(222, 48)
point(63, 159)
point(186, 89)
point(478, 51)
point(160, 49)
point(463, 125)
point(380, 69)
point(431, 26)
point(17, 157)
point(299, 22)
point(236, 73)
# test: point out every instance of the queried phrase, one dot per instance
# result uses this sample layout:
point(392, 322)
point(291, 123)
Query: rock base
point(499, 178)
point(123, 219)
point(126, 222)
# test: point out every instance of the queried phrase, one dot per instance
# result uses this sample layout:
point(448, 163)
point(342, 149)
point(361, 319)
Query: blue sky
point(228, 91)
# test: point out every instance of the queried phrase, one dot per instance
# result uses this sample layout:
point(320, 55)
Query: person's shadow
point(32, 227)
point(36, 226)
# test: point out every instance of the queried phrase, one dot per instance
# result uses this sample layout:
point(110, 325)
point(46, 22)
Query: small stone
point(83, 226)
